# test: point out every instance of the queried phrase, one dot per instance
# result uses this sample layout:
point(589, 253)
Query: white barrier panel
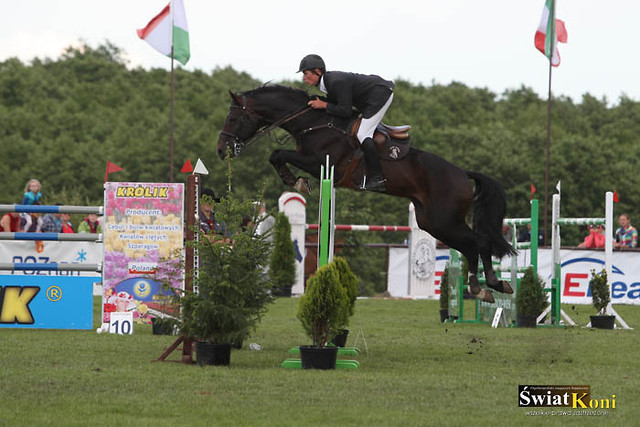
point(423, 255)
point(17, 251)
point(576, 271)
point(294, 206)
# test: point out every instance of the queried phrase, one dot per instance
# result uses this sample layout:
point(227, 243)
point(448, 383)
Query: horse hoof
point(302, 185)
point(506, 287)
point(502, 287)
point(473, 286)
point(485, 295)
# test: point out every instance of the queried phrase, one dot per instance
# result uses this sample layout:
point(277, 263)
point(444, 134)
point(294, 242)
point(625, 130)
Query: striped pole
point(98, 210)
point(346, 227)
point(60, 237)
point(49, 266)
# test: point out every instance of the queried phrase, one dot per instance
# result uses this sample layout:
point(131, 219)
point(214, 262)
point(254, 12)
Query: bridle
point(239, 144)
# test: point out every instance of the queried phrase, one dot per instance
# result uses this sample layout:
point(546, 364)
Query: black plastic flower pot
point(603, 322)
point(213, 354)
point(340, 339)
point(526, 321)
point(161, 328)
point(318, 357)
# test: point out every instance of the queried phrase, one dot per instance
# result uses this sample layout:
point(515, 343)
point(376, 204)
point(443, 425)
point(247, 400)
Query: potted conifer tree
point(601, 298)
point(282, 265)
point(349, 282)
point(531, 299)
point(232, 290)
point(322, 308)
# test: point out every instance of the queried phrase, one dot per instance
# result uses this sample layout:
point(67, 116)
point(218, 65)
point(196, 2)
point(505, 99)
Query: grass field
point(417, 372)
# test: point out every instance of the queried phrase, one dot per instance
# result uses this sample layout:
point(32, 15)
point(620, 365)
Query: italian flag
point(550, 25)
point(168, 28)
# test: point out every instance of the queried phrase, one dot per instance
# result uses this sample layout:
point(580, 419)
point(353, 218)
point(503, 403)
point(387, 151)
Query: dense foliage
point(233, 292)
point(282, 262)
point(600, 290)
point(324, 306)
point(62, 119)
point(531, 299)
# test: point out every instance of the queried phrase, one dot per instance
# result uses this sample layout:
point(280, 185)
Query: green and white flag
point(550, 31)
point(169, 28)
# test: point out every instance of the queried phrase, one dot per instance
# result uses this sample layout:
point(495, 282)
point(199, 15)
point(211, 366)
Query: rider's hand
point(318, 104)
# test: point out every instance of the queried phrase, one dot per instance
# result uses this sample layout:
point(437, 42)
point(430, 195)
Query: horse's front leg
point(279, 160)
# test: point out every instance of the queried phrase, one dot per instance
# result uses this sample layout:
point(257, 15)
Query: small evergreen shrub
point(282, 264)
point(324, 306)
point(531, 299)
point(599, 290)
point(444, 288)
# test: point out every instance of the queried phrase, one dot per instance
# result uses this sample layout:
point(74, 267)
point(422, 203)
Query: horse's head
point(241, 125)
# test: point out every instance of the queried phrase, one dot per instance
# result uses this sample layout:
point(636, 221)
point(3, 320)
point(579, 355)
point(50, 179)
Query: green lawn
point(417, 372)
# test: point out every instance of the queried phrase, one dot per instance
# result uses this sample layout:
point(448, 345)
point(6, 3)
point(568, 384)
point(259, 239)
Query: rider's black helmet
point(311, 62)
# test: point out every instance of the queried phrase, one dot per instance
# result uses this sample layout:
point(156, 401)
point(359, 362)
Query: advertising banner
point(23, 251)
point(143, 245)
point(46, 302)
point(576, 272)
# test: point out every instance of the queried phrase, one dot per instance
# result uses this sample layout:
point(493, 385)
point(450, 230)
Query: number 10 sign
point(121, 323)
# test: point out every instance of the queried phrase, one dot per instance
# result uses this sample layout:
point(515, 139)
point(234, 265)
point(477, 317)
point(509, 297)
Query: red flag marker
point(187, 167)
point(616, 199)
point(111, 167)
point(533, 190)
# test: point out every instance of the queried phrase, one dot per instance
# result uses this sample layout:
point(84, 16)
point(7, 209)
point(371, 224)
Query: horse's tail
point(489, 208)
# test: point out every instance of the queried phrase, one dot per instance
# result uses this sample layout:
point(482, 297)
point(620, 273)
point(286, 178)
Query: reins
point(239, 145)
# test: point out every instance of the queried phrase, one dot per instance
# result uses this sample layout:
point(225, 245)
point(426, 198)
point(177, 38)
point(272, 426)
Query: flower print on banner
point(143, 225)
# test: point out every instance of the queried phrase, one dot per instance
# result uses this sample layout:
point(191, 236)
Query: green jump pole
point(325, 227)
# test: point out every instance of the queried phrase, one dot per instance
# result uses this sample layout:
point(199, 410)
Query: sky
point(483, 44)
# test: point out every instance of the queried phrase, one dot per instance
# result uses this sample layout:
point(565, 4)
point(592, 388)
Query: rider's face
point(310, 77)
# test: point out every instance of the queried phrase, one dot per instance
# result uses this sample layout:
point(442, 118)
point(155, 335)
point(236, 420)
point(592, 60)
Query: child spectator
point(90, 225)
point(32, 192)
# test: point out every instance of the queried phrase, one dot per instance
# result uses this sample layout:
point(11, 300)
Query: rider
point(370, 95)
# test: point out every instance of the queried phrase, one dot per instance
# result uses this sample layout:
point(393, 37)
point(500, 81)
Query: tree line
point(61, 120)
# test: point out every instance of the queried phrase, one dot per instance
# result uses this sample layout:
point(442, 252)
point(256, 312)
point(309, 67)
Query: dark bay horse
point(440, 191)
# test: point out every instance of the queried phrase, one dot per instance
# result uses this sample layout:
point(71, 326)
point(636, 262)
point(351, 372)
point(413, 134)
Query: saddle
point(393, 142)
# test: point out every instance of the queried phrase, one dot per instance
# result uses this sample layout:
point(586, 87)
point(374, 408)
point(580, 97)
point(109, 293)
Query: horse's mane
point(269, 88)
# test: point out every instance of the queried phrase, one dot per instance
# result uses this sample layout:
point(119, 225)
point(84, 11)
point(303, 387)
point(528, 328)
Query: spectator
point(525, 235)
point(31, 222)
point(10, 222)
point(32, 192)
point(626, 235)
point(208, 223)
point(65, 224)
point(90, 225)
point(51, 223)
point(596, 237)
point(266, 222)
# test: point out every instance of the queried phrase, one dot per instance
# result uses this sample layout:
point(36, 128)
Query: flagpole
point(171, 123)
point(171, 113)
point(551, 36)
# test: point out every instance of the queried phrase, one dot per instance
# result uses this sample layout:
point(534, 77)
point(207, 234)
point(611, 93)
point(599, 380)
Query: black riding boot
point(374, 180)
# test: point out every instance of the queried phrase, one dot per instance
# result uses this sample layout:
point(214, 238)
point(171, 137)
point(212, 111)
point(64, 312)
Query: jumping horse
point(440, 191)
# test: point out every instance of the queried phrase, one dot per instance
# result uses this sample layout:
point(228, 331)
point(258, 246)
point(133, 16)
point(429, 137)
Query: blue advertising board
point(46, 302)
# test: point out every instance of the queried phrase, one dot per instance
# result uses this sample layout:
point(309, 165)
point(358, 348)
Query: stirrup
point(376, 184)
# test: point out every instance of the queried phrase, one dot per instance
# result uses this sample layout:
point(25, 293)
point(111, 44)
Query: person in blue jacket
point(32, 192)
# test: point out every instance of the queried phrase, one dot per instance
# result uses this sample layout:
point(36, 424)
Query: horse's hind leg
point(461, 238)
point(490, 275)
